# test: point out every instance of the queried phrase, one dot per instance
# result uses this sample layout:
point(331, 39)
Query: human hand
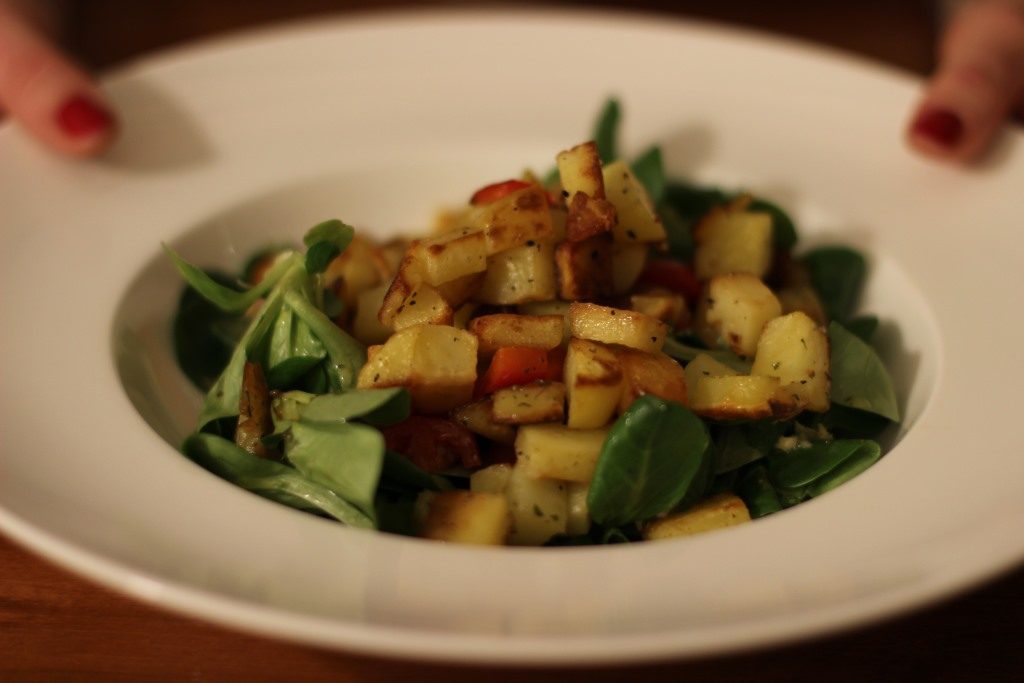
point(979, 82)
point(45, 93)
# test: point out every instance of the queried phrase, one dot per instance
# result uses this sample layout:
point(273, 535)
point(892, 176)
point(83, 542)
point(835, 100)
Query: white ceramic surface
point(380, 120)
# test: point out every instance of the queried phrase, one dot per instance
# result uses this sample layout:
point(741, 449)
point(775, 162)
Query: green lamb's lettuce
point(859, 378)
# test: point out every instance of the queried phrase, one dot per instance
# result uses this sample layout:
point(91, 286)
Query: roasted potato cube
point(588, 216)
point(628, 261)
point(451, 256)
point(650, 373)
point(478, 418)
point(466, 517)
point(557, 452)
point(406, 278)
point(360, 267)
point(459, 291)
point(519, 275)
point(584, 269)
point(795, 349)
point(738, 397)
point(579, 512)
point(492, 479)
point(718, 512)
point(423, 306)
point(529, 403)
point(593, 381)
point(802, 298)
point(366, 326)
point(514, 220)
point(617, 326)
point(436, 362)
point(705, 366)
point(556, 307)
point(580, 170)
point(732, 240)
point(637, 221)
point(668, 307)
point(539, 507)
point(509, 329)
point(733, 310)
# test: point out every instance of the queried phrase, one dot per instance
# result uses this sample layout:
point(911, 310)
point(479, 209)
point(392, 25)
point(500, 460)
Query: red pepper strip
point(672, 275)
point(433, 444)
point(495, 191)
point(516, 365)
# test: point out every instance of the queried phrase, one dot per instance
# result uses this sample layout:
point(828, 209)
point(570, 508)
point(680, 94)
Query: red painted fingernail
point(82, 117)
point(940, 126)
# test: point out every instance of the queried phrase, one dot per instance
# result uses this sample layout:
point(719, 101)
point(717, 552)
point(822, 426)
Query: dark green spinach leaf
point(812, 470)
point(837, 274)
point(606, 131)
point(859, 379)
point(649, 169)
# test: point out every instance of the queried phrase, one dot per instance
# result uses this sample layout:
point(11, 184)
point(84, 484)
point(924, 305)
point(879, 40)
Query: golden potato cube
point(556, 307)
point(509, 329)
point(705, 366)
point(423, 306)
point(717, 512)
point(593, 381)
point(732, 240)
point(637, 221)
point(478, 418)
point(492, 479)
point(650, 373)
point(436, 362)
point(518, 275)
point(580, 170)
point(733, 310)
point(795, 349)
point(467, 517)
point(514, 220)
point(666, 306)
point(579, 512)
point(360, 267)
point(588, 216)
point(557, 452)
point(540, 507)
point(459, 291)
point(617, 326)
point(366, 326)
point(401, 286)
point(584, 269)
point(628, 261)
point(737, 397)
point(451, 256)
point(529, 403)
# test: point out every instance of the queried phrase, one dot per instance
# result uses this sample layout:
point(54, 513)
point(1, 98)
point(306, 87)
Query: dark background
point(54, 626)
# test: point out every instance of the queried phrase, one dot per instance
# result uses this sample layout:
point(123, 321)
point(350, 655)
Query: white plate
point(378, 121)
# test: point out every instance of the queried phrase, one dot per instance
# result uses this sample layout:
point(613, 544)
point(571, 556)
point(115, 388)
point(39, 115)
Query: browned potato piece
point(733, 310)
point(554, 451)
point(451, 256)
point(360, 267)
point(423, 306)
point(254, 417)
point(617, 326)
point(718, 512)
point(409, 276)
point(529, 404)
point(593, 380)
point(731, 239)
point(465, 517)
point(580, 170)
point(519, 275)
point(584, 269)
point(628, 261)
point(588, 216)
point(802, 298)
point(739, 397)
point(668, 307)
point(650, 373)
point(514, 220)
point(478, 418)
point(795, 349)
point(636, 219)
point(509, 329)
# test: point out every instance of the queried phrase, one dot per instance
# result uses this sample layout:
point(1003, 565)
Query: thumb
point(42, 91)
point(979, 79)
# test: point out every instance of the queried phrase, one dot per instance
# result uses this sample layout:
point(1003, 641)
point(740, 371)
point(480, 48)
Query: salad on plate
point(601, 355)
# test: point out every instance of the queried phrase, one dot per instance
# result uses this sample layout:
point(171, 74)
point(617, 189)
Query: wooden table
point(55, 626)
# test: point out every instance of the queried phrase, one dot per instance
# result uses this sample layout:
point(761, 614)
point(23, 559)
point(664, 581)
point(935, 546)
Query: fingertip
point(86, 124)
point(937, 132)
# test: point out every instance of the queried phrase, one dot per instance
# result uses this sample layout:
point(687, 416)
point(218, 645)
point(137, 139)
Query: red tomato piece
point(495, 191)
point(433, 444)
point(673, 275)
point(516, 365)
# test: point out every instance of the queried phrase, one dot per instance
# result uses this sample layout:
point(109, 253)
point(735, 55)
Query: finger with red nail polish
point(47, 95)
point(979, 81)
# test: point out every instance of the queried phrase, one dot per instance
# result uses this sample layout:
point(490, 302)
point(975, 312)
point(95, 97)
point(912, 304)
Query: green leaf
point(757, 492)
point(649, 461)
point(812, 470)
point(678, 232)
point(226, 298)
point(739, 445)
point(288, 372)
point(649, 169)
point(319, 256)
point(691, 202)
point(784, 234)
point(851, 423)
point(345, 355)
point(859, 379)
point(270, 479)
point(399, 473)
point(204, 335)
point(864, 326)
point(606, 131)
point(680, 351)
point(331, 231)
point(381, 407)
point(837, 274)
point(345, 457)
